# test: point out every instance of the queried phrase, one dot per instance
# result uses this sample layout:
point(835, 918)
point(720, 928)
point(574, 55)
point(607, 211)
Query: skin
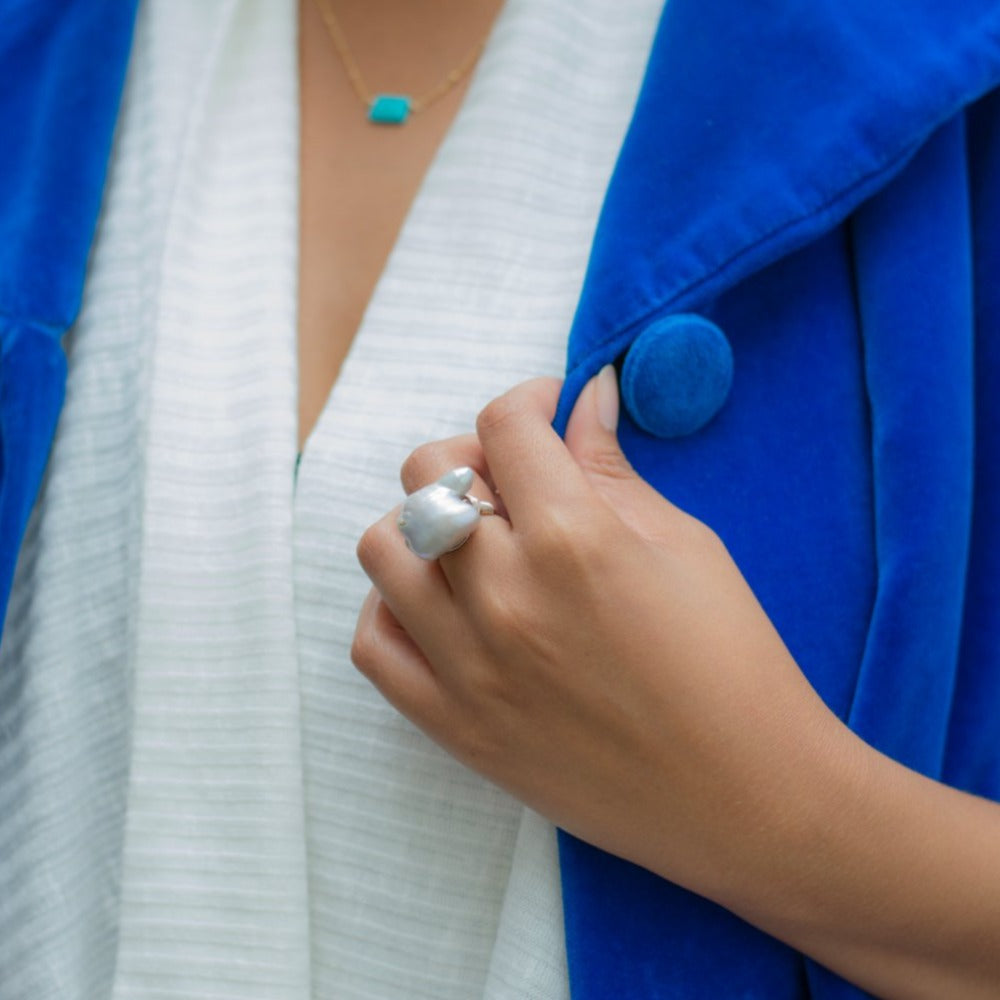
point(597, 653)
point(357, 180)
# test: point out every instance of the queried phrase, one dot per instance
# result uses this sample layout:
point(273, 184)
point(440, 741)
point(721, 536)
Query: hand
point(596, 652)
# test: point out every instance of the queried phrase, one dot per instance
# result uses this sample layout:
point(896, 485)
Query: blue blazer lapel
point(758, 128)
point(798, 173)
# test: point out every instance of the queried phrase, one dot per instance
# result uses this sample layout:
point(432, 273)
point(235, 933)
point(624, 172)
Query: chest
point(357, 182)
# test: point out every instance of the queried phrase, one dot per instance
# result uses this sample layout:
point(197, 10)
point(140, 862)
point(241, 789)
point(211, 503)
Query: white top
point(199, 796)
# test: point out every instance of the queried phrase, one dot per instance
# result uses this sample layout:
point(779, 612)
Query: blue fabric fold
point(64, 64)
point(821, 181)
point(913, 261)
point(972, 756)
point(758, 128)
point(32, 376)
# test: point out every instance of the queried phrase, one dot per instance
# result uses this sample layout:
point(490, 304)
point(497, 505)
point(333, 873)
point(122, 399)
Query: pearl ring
point(439, 518)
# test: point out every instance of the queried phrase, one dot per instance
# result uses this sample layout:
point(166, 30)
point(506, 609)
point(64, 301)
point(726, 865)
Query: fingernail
point(607, 398)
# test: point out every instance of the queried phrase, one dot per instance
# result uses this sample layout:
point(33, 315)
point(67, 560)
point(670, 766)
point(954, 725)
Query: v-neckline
point(358, 183)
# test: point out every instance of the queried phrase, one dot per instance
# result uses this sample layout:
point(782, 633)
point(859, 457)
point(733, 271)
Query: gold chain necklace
point(391, 109)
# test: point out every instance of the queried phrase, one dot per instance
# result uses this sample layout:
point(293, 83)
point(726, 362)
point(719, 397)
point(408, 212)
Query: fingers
point(415, 590)
point(471, 566)
point(419, 603)
point(527, 459)
point(549, 487)
point(591, 433)
point(592, 440)
point(480, 563)
point(430, 461)
point(384, 652)
point(519, 459)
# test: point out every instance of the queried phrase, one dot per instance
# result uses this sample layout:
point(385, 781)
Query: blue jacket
point(798, 270)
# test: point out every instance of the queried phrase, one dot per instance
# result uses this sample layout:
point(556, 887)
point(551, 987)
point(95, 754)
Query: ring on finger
point(441, 517)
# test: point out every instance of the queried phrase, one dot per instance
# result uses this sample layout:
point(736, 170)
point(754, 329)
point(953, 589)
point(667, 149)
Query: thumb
point(592, 439)
point(591, 434)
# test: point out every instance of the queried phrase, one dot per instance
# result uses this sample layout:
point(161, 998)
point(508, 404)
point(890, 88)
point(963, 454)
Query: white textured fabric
point(199, 796)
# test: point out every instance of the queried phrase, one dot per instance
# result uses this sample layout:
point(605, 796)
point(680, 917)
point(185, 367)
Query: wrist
point(760, 799)
point(883, 875)
point(805, 832)
point(787, 832)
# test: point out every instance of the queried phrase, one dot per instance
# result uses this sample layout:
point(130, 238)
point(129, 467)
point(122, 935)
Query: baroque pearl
point(439, 518)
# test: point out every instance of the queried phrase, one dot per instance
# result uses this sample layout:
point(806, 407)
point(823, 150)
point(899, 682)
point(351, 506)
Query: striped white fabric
point(199, 796)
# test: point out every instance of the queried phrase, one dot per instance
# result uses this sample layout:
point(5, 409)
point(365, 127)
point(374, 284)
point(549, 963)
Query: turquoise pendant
point(389, 109)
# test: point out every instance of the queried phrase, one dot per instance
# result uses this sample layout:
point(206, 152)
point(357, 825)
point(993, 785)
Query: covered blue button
point(677, 375)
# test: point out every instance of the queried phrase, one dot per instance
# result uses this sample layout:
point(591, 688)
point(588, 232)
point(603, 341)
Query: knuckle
point(423, 465)
point(496, 415)
point(371, 549)
point(363, 652)
point(371, 666)
point(369, 656)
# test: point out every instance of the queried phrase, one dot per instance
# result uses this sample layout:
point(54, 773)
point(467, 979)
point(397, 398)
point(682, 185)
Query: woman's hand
point(596, 651)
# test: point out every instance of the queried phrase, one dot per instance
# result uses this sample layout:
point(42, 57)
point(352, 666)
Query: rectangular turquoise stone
point(389, 109)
